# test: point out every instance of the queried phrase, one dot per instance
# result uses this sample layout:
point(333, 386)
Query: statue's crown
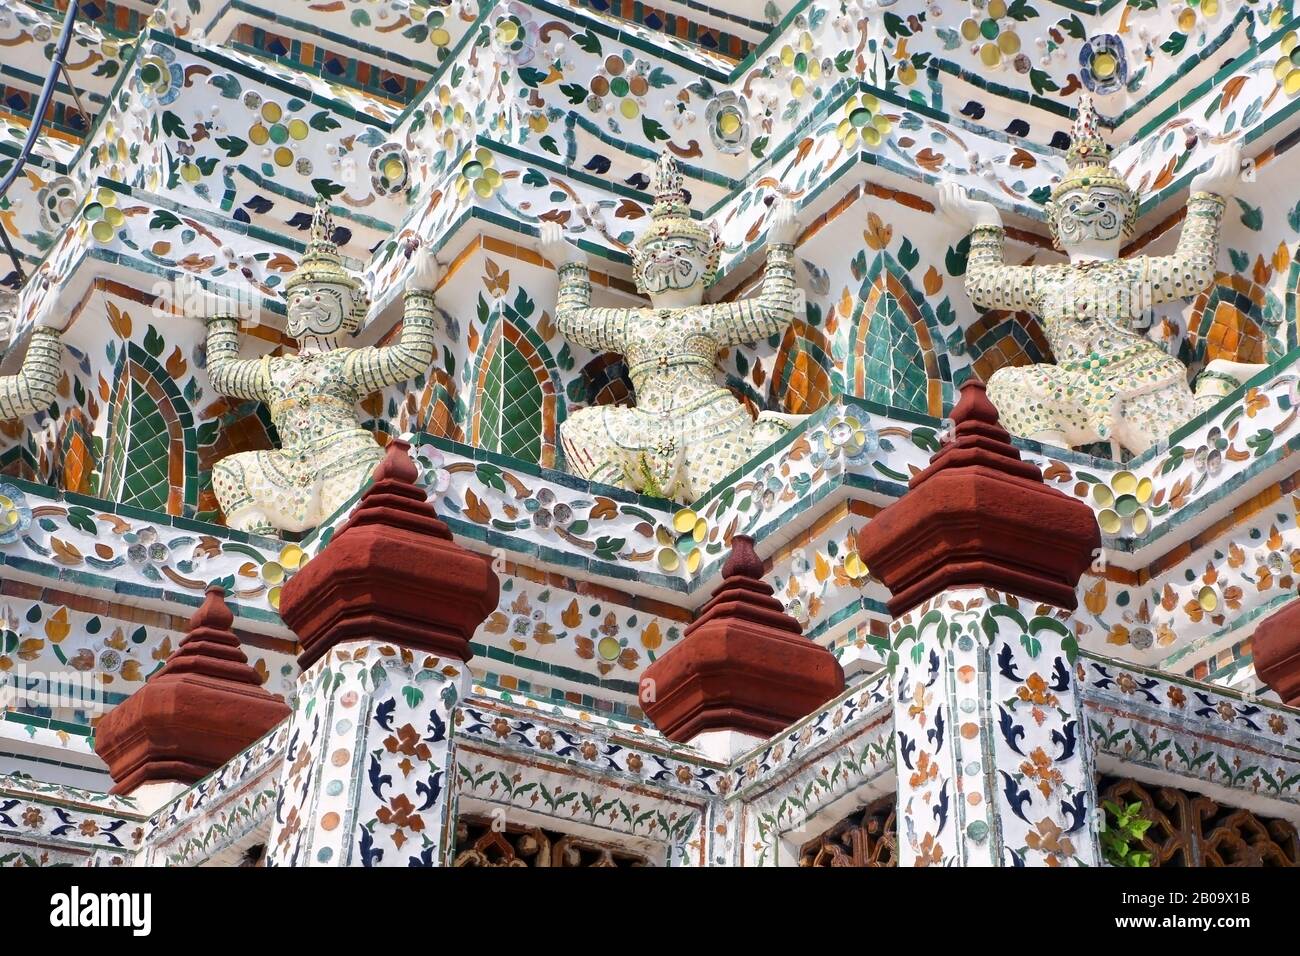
point(670, 215)
point(321, 261)
point(1088, 157)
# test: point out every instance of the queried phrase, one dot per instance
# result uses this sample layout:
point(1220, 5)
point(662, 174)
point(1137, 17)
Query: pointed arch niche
point(897, 355)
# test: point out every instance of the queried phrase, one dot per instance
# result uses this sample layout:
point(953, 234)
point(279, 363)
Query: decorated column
point(983, 560)
point(205, 706)
point(384, 615)
point(743, 670)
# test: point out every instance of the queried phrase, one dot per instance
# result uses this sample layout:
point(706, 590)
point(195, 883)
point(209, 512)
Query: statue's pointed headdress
point(321, 262)
point(670, 216)
point(1088, 159)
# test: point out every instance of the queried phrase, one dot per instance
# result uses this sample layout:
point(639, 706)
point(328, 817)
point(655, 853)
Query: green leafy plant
point(1122, 836)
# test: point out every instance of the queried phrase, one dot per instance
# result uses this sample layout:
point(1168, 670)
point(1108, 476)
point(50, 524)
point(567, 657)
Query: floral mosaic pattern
point(993, 766)
point(380, 718)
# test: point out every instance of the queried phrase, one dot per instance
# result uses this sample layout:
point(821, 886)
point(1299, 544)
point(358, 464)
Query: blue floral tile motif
point(160, 79)
point(15, 514)
point(1103, 65)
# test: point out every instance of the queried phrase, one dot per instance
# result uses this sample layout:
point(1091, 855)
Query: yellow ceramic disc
point(990, 55)
point(1109, 521)
point(1102, 495)
point(271, 112)
point(1144, 490)
point(684, 521)
point(1208, 599)
point(290, 557)
point(1124, 483)
point(669, 560)
point(298, 129)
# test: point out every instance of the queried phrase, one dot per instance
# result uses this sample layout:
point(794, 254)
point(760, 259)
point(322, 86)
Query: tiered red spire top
point(204, 707)
point(743, 594)
point(395, 499)
point(978, 439)
point(211, 647)
point(742, 665)
point(980, 516)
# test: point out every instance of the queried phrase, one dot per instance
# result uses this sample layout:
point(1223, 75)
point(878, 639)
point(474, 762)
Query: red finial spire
point(980, 516)
point(743, 664)
point(391, 572)
point(204, 707)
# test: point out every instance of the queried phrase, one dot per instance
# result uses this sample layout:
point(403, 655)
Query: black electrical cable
point(38, 121)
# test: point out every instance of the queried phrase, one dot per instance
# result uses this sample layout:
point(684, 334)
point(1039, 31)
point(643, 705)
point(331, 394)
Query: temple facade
point(594, 433)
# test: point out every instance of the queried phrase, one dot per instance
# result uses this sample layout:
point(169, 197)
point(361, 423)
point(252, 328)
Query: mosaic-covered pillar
point(983, 560)
point(384, 615)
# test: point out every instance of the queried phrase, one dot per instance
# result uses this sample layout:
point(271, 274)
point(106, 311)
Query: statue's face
point(670, 264)
point(1090, 213)
point(319, 308)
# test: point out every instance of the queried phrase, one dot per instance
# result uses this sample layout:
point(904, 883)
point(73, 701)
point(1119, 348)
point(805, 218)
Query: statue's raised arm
point(372, 368)
point(32, 388)
point(601, 330)
point(990, 282)
point(749, 320)
point(228, 374)
point(1191, 267)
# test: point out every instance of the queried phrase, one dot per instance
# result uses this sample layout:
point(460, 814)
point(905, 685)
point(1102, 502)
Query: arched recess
point(241, 426)
point(605, 381)
point(1234, 319)
point(151, 458)
point(999, 339)
point(20, 459)
point(77, 463)
point(517, 410)
point(438, 408)
point(898, 356)
point(802, 379)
